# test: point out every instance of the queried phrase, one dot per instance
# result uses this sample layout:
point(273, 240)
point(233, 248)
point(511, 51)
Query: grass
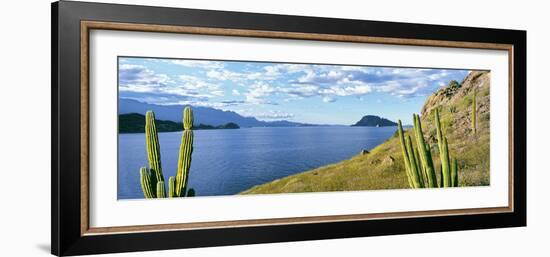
point(383, 167)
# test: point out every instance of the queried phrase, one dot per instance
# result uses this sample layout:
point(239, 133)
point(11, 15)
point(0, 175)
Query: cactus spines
point(454, 172)
point(171, 186)
point(146, 183)
point(153, 147)
point(186, 150)
point(152, 180)
point(424, 152)
point(474, 111)
point(161, 191)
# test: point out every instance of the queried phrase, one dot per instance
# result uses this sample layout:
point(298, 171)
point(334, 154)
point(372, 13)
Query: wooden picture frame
point(71, 25)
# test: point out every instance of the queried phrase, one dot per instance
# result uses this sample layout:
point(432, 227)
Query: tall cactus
point(474, 111)
point(419, 165)
point(186, 149)
point(152, 179)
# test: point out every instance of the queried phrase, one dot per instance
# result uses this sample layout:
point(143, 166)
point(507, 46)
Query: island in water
point(374, 121)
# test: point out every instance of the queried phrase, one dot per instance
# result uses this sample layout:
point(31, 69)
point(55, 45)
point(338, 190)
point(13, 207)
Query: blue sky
point(308, 93)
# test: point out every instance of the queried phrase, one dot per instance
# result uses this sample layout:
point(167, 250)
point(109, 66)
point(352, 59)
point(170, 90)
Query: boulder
point(388, 160)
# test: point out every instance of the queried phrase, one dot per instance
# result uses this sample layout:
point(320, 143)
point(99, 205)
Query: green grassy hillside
point(383, 167)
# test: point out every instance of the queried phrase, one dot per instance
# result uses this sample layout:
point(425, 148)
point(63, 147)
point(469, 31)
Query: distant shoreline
point(241, 128)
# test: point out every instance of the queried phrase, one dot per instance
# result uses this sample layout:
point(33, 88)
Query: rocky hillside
point(383, 167)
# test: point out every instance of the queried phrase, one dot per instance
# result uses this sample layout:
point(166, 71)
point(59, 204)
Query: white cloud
point(258, 92)
point(328, 99)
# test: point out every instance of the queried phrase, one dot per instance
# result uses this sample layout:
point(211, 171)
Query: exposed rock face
point(458, 100)
point(476, 79)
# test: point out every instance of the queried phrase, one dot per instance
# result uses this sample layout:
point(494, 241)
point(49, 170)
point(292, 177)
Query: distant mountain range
point(374, 121)
point(204, 115)
point(135, 123)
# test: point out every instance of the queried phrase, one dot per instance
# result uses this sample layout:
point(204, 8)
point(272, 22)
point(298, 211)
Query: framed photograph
point(178, 128)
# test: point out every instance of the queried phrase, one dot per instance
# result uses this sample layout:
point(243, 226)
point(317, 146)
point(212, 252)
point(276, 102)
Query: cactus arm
point(186, 150)
point(424, 152)
point(419, 167)
point(153, 147)
point(443, 152)
point(184, 162)
point(187, 118)
point(191, 192)
point(445, 159)
point(454, 172)
point(171, 186)
point(146, 183)
point(161, 191)
point(431, 164)
point(405, 154)
point(415, 172)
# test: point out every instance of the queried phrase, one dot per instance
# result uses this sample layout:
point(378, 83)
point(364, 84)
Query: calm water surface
point(226, 162)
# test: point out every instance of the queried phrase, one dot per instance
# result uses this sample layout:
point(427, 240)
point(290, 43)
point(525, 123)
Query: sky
point(306, 93)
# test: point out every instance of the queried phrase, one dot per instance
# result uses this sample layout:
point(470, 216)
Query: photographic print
point(192, 128)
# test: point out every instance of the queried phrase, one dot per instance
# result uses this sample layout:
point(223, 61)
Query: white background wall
point(25, 127)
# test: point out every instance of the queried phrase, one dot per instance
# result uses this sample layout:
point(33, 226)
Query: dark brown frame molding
point(71, 26)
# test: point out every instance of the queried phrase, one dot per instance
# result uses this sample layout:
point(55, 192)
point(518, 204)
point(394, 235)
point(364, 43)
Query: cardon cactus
point(418, 161)
point(152, 179)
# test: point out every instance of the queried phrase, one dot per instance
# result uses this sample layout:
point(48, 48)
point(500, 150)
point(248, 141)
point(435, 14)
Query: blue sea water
point(228, 161)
